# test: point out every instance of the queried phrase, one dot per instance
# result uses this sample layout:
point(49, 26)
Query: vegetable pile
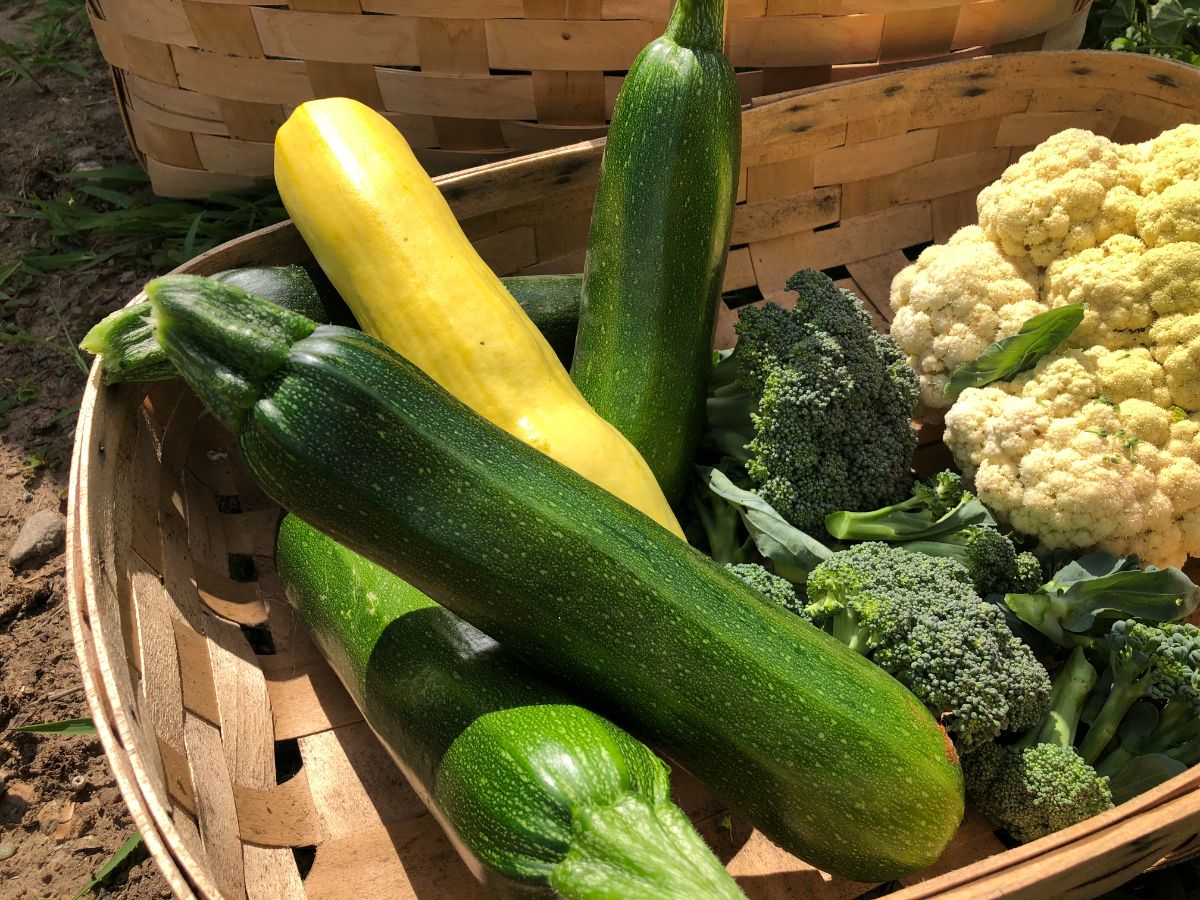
point(488, 548)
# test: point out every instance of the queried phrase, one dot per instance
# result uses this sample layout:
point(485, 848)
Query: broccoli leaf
point(1104, 586)
point(1141, 774)
point(793, 552)
point(898, 523)
point(1158, 595)
point(1017, 353)
point(1094, 565)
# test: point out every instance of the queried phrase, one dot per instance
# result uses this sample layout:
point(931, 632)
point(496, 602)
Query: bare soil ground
point(61, 815)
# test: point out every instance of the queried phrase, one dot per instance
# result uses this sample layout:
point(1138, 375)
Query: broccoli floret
point(990, 557)
point(918, 617)
point(942, 518)
point(1152, 662)
point(1041, 784)
point(940, 494)
point(1027, 574)
point(816, 404)
point(775, 589)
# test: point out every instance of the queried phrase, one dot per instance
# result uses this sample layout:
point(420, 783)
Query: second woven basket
point(203, 84)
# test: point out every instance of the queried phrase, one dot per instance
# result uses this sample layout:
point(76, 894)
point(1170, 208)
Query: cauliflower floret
point(1176, 343)
point(1125, 374)
point(1172, 215)
point(1104, 278)
point(1171, 157)
point(1089, 471)
point(1170, 277)
point(1056, 198)
point(954, 301)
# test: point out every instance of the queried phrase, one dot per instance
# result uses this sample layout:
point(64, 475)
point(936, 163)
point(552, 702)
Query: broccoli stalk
point(1144, 662)
point(1174, 732)
point(721, 523)
point(938, 506)
point(1041, 784)
point(919, 618)
point(816, 405)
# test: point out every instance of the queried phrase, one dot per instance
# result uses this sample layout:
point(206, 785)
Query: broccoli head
point(1040, 784)
point(918, 617)
point(775, 589)
point(816, 404)
point(1034, 792)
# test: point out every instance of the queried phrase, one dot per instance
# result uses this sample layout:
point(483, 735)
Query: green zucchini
point(125, 340)
point(542, 796)
point(552, 303)
point(828, 755)
point(659, 240)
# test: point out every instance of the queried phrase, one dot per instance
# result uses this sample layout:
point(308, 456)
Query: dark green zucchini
point(552, 303)
point(828, 755)
point(542, 796)
point(125, 341)
point(659, 240)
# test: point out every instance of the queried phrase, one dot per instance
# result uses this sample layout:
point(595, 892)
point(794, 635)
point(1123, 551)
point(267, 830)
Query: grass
point(98, 216)
point(57, 32)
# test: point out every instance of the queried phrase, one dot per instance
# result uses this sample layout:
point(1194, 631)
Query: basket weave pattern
point(237, 750)
point(205, 83)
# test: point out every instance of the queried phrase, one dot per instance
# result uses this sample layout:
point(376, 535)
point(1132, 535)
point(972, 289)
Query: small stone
point(26, 497)
point(7, 851)
point(42, 534)
point(88, 844)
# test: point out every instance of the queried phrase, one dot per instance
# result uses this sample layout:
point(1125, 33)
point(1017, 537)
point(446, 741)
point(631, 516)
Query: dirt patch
point(61, 815)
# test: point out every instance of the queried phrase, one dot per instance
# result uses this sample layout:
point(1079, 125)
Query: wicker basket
point(246, 767)
point(204, 83)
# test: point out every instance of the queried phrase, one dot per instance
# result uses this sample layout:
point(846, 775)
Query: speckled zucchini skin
point(828, 755)
point(524, 780)
point(659, 240)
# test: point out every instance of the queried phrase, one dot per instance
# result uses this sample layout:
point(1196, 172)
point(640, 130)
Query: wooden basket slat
point(848, 176)
point(489, 78)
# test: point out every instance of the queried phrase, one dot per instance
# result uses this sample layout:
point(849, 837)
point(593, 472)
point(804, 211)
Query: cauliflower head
point(1096, 447)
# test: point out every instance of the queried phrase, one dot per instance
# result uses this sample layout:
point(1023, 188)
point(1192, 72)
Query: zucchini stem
point(617, 851)
point(698, 25)
point(225, 341)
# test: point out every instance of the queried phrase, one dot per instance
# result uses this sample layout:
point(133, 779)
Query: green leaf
point(131, 844)
point(7, 270)
point(907, 524)
point(1141, 774)
point(66, 726)
point(793, 552)
point(1020, 352)
point(1158, 595)
point(60, 415)
point(1168, 21)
